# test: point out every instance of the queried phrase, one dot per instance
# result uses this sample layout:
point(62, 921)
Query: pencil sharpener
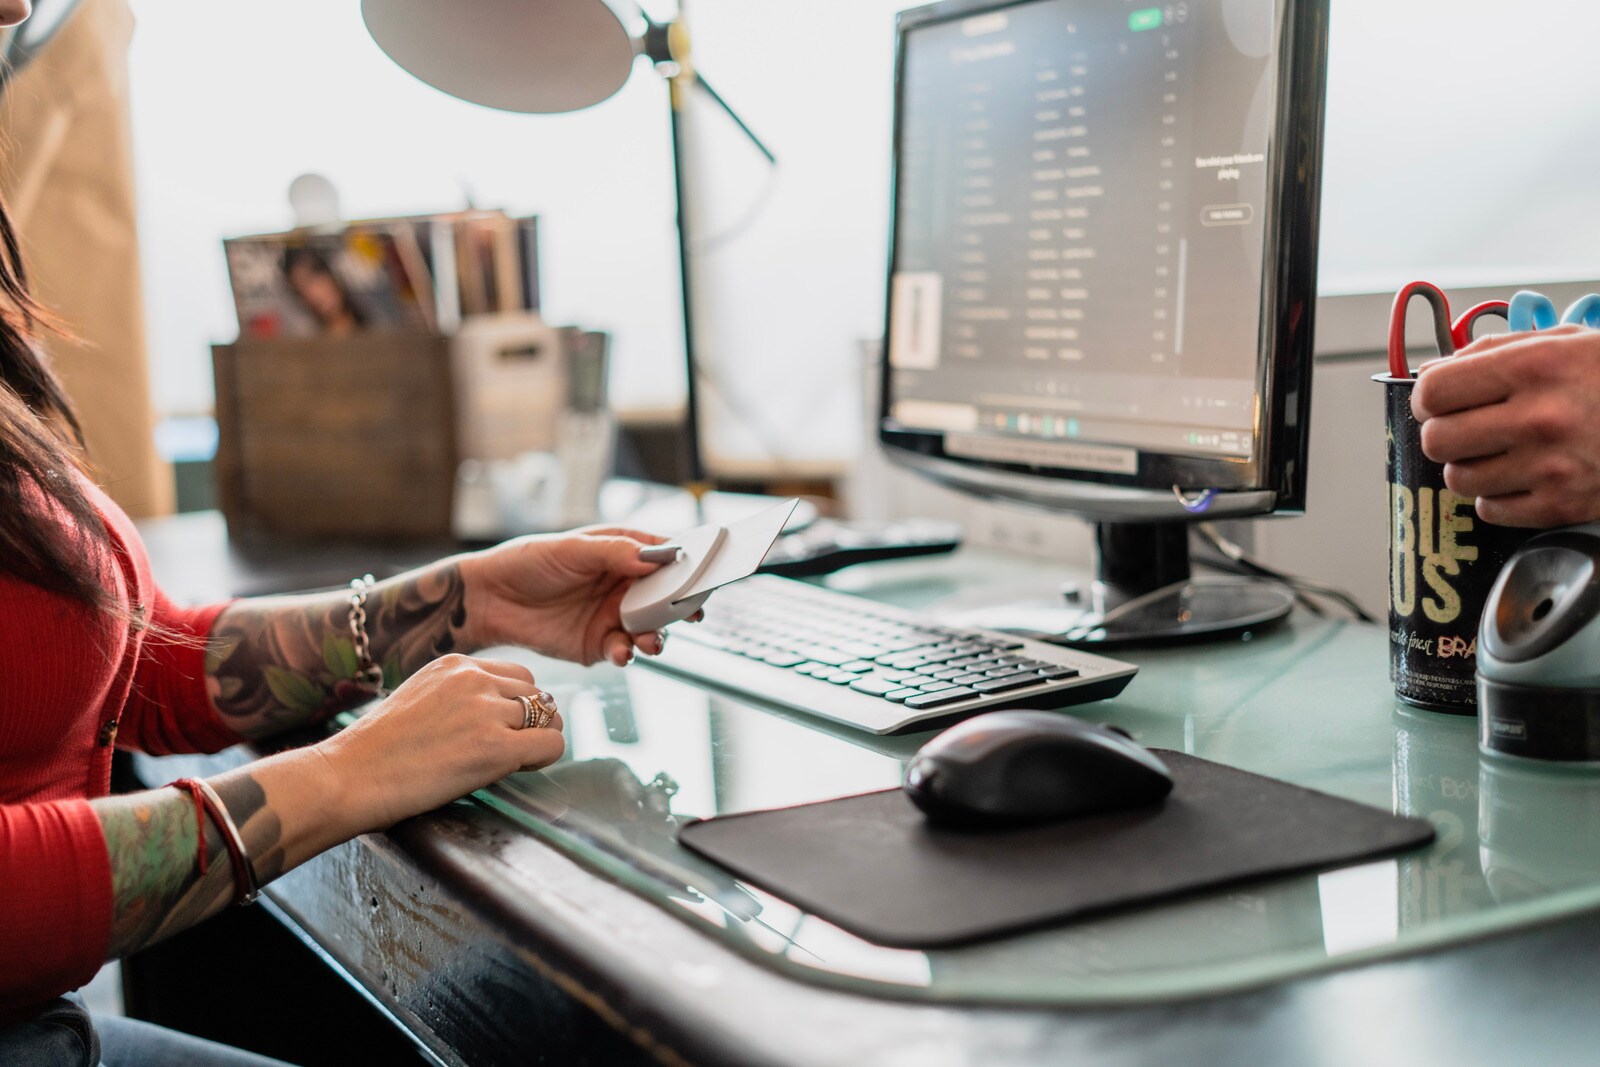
point(1539, 651)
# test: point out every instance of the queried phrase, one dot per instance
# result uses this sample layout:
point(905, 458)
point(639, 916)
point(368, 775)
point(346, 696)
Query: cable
point(1127, 607)
point(1198, 504)
point(1240, 561)
point(704, 246)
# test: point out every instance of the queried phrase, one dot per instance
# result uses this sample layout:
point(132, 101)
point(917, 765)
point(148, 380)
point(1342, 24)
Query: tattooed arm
point(279, 662)
point(452, 725)
point(273, 663)
point(156, 885)
point(452, 728)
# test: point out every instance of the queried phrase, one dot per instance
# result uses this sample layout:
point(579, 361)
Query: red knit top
point(74, 682)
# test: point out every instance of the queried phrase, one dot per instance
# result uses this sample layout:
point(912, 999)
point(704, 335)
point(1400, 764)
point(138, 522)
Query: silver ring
point(528, 712)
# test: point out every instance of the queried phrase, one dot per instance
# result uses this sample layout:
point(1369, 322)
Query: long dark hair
point(50, 533)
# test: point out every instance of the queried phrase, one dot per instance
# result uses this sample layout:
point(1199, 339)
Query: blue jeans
point(64, 1035)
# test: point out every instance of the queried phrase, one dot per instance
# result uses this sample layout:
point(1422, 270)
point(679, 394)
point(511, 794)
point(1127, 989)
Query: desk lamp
point(550, 56)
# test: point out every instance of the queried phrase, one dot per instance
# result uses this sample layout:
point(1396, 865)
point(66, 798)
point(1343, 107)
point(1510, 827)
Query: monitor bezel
point(1274, 479)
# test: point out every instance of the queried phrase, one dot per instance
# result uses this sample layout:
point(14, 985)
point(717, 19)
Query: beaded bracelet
point(245, 886)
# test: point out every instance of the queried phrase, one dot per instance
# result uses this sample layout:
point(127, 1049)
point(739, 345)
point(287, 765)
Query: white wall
point(232, 100)
point(1460, 146)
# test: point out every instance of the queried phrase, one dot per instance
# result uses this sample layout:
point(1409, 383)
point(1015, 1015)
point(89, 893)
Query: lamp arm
point(657, 45)
point(701, 83)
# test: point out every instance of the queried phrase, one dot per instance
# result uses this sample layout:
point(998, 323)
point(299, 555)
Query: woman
point(93, 655)
point(321, 293)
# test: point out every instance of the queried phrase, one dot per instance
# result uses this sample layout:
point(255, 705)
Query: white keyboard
point(871, 666)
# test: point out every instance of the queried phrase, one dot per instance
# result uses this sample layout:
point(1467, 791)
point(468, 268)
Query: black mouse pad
point(872, 865)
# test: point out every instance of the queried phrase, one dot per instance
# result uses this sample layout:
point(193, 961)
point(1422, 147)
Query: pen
point(660, 554)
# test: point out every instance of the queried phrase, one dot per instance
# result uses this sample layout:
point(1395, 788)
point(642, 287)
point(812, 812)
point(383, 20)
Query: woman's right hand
point(453, 727)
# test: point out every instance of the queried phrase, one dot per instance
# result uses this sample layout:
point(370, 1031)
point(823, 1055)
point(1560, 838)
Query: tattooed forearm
point(157, 889)
point(278, 662)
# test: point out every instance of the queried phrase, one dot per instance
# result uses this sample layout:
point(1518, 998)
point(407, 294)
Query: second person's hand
point(1515, 419)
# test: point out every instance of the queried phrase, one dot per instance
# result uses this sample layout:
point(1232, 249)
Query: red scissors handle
point(1461, 332)
point(1443, 333)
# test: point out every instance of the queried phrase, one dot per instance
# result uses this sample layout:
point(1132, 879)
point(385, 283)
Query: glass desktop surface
point(1309, 702)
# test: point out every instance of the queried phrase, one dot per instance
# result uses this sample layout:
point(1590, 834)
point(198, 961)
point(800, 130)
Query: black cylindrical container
point(1443, 560)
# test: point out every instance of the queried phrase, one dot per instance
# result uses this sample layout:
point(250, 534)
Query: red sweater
point(72, 683)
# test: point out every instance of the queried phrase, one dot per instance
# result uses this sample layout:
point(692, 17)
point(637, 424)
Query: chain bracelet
point(367, 672)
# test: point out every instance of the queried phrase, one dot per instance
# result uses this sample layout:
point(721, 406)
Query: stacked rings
point(538, 710)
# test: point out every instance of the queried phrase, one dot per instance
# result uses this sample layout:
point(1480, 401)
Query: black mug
point(1443, 560)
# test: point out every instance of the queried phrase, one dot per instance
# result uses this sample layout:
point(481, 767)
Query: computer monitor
point(1102, 276)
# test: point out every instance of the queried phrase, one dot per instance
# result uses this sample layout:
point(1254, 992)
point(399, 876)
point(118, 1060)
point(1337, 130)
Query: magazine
point(311, 283)
point(418, 272)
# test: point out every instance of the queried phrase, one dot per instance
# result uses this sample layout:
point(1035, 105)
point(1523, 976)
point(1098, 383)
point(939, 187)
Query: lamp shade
point(534, 56)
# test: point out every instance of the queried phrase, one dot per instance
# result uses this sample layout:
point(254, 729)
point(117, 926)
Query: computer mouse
point(1014, 767)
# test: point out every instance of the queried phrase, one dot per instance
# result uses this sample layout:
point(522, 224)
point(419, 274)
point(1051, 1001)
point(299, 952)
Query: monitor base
point(1194, 609)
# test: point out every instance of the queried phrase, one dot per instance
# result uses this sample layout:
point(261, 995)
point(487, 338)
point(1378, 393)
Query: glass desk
point(1309, 702)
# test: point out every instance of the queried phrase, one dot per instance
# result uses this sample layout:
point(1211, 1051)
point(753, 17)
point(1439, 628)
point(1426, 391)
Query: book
point(528, 260)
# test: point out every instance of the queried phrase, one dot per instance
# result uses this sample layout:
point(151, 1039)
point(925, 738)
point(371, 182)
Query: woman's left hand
point(559, 594)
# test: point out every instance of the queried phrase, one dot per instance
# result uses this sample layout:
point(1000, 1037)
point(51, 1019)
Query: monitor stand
point(1144, 593)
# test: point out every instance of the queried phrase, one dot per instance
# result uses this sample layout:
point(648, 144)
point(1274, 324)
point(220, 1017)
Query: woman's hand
point(1515, 419)
point(453, 727)
point(560, 595)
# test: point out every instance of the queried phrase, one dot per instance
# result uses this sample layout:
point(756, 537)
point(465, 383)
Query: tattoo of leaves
point(339, 653)
point(294, 691)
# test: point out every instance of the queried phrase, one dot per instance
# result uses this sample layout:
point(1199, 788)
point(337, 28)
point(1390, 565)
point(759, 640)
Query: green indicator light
point(1146, 19)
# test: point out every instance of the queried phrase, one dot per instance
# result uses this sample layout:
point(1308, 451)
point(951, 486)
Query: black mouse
point(1011, 767)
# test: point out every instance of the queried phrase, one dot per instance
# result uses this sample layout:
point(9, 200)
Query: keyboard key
point(840, 677)
point(782, 659)
point(935, 687)
point(1004, 644)
point(1010, 681)
point(894, 675)
point(966, 661)
point(860, 666)
point(1000, 672)
point(1053, 673)
point(928, 670)
point(901, 695)
point(833, 656)
point(968, 679)
point(933, 700)
point(874, 686)
point(948, 673)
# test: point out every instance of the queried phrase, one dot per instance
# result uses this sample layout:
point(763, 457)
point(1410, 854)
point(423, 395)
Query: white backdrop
point(233, 99)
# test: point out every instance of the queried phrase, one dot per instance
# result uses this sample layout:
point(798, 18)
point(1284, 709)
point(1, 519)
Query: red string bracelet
point(190, 786)
point(245, 887)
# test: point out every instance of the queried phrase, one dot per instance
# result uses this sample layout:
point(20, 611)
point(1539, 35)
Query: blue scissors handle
point(1534, 311)
point(1531, 311)
point(1585, 311)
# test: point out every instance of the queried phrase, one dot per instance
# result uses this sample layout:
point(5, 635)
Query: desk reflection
point(1436, 778)
point(1538, 827)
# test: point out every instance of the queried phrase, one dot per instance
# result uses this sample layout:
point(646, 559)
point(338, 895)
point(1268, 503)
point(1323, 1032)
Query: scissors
point(1448, 336)
point(1534, 311)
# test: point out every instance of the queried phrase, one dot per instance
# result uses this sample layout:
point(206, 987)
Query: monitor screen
point(1103, 246)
